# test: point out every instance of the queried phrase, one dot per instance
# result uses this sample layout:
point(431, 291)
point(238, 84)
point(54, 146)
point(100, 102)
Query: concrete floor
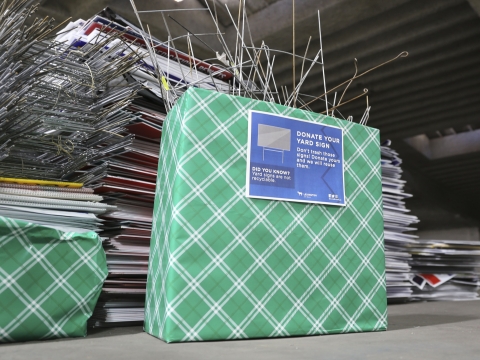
point(447, 330)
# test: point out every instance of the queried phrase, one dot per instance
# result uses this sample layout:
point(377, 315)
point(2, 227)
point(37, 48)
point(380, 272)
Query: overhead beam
point(407, 15)
point(413, 106)
point(432, 88)
point(408, 70)
point(475, 4)
point(441, 165)
point(410, 85)
point(275, 21)
point(431, 122)
point(417, 39)
point(418, 99)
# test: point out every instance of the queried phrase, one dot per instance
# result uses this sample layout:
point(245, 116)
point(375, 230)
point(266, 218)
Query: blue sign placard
point(294, 160)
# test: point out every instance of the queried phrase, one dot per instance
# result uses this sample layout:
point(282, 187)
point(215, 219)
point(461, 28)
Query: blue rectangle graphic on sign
point(294, 160)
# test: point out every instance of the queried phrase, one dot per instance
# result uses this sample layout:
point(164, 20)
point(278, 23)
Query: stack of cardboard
point(397, 224)
point(446, 269)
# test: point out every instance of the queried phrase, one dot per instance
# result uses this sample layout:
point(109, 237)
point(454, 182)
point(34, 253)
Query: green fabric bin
point(224, 266)
point(50, 281)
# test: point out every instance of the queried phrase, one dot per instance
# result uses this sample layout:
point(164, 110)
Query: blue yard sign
point(294, 160)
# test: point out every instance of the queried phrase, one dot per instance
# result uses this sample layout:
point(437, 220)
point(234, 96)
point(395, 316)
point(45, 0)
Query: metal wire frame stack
point(59, 107)
point(63, 109)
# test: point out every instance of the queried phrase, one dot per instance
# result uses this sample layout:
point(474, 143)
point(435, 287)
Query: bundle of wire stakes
point(60, 107)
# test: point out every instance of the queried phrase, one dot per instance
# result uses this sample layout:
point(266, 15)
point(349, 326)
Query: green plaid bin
point(224, 266)
point(49, 281)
